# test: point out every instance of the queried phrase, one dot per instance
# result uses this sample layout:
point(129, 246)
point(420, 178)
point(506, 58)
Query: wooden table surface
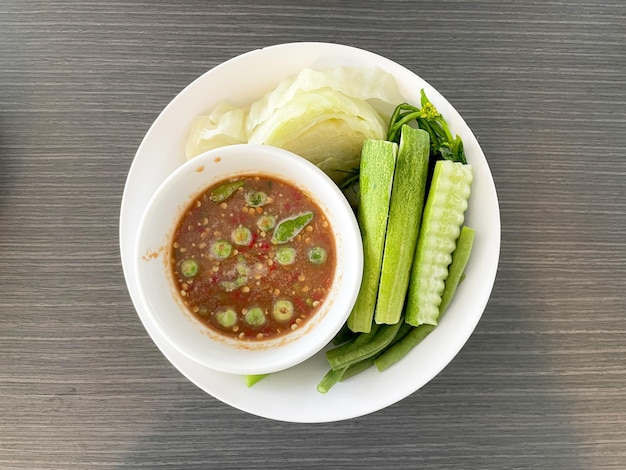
point(541, 383)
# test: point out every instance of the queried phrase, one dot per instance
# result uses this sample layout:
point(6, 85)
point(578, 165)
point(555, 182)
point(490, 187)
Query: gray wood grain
point(542, 382)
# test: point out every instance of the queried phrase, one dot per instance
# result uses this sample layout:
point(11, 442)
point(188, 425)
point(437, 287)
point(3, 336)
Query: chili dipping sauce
point(253, 257)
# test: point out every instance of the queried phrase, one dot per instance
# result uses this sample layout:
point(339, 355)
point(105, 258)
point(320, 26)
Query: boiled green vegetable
point(442, 144)
point(441, 225)
point(333, 376)
point(378, 161)
point(322, 115)
point(460, 257)
point(346, 355)
point(405, 214)
point(403, 347)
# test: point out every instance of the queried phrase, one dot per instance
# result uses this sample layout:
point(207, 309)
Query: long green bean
point(460, 257)
point(403, 347)
point(344, 356)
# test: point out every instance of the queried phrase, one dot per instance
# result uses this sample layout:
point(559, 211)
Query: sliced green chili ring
point(285, 255)
point(241, 235)
point(256, 198)
point(224, 191)
point(266, 222)
point(282, 310)
point(255, 317)
point(317, 255)
point(221, 249)
point(189, 268)
point(243, 272)
point(287, 229)
point(226, 317)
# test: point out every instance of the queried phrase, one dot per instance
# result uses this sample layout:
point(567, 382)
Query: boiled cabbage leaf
point(322, 115)
point(225, 125)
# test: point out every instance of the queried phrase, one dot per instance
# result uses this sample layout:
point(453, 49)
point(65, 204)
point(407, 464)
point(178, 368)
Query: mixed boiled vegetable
point(426, 248)
point(413, 186)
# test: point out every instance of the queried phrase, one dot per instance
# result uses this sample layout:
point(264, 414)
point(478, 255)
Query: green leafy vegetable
point(442, 144)
point(322, 115)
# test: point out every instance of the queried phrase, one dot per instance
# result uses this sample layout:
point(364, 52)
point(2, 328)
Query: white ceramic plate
point(291, 395)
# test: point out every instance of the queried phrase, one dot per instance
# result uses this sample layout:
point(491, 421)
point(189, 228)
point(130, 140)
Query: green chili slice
point(286, 255)
point(221, 249)
point(255, 317)
point(287, 229)
point(241, 235)
point(283, 310)
point(224, 191)
point(226, 317)
point(266, 222)
point(256, 198)
point(317, 255)
point(189, 268)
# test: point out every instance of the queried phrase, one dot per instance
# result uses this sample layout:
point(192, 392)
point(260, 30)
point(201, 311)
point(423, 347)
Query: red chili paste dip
point(253, 257)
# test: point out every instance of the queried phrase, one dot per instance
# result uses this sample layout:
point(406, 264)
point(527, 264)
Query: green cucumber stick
point(441, 225)
point(405, 214)
point(460, 256)
point(378, 160)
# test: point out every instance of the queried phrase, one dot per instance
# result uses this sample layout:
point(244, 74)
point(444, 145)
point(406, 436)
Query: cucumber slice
point(443, 217)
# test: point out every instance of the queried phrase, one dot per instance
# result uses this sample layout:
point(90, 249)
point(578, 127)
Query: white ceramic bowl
point(157, 289)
